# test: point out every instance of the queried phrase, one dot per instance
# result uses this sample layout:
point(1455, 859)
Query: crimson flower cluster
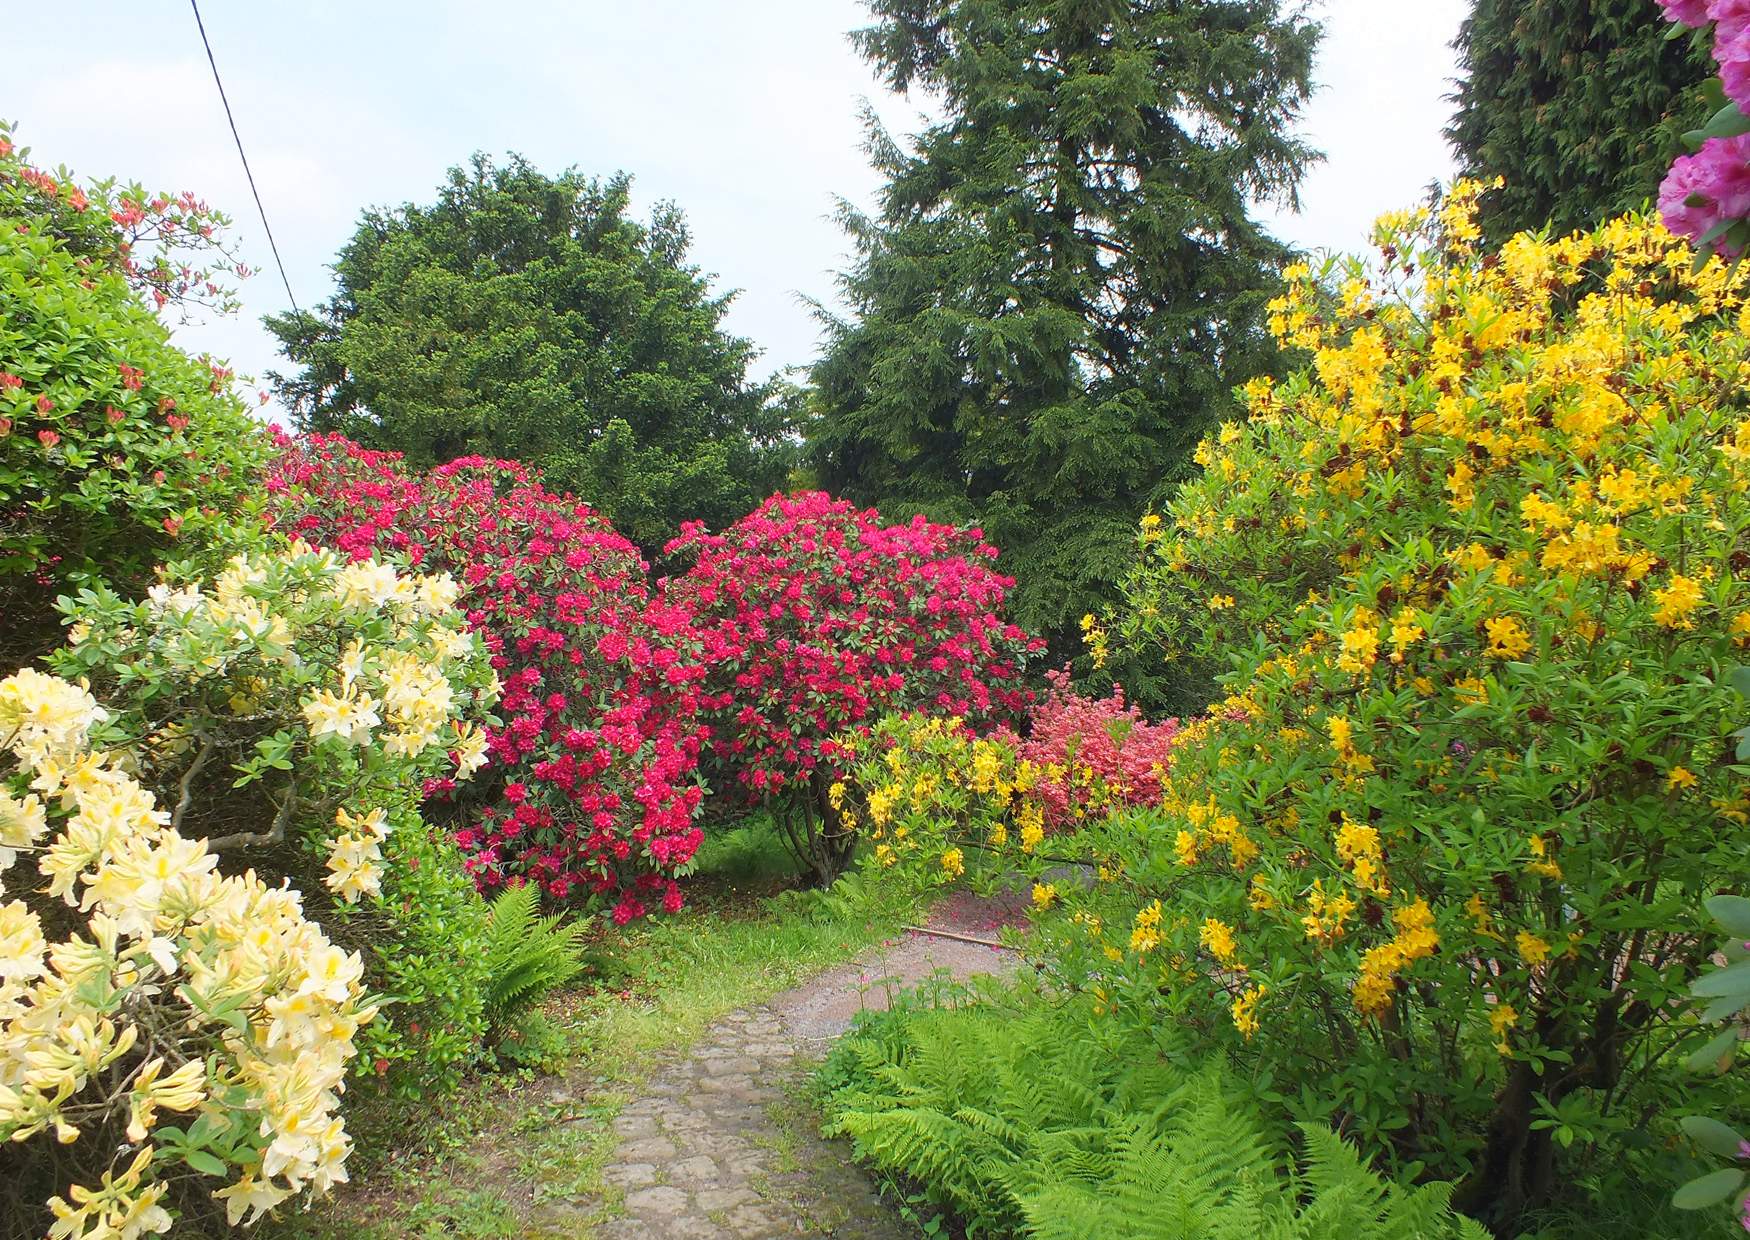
point(594, 779)
point(815, 617)
point(1097, 753)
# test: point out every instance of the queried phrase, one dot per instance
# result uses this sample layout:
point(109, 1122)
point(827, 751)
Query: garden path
point(723, 1144)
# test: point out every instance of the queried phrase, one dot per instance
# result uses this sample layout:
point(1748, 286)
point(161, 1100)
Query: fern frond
point(527, 955)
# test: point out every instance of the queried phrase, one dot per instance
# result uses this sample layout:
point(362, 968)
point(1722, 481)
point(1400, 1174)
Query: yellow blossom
point(1533, 949)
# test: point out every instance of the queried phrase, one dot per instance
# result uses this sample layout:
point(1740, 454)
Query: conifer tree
point(1578, 105)
point(1064, 280)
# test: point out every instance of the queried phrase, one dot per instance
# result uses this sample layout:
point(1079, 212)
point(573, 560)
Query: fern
point(1041, 1124)
point(527, 956)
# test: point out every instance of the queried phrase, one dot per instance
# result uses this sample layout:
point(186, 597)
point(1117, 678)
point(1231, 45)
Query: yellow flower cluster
point(187, 993)
point(1416, 938)
point(934, 781)
point(355, 855)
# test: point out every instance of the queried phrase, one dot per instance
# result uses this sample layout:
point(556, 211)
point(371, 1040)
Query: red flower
point(48, 438)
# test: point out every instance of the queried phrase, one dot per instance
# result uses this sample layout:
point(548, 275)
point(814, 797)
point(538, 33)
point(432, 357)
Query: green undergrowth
point(1007, 1111)
point(520, 1153)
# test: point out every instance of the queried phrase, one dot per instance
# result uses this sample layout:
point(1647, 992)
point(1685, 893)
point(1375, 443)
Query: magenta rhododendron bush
point(593, 782)
point(1095, 753)
point(816, 617)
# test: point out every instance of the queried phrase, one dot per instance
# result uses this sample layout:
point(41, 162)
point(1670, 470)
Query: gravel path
point(720, 1144)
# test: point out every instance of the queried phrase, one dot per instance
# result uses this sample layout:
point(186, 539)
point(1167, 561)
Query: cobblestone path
point(722, 1144)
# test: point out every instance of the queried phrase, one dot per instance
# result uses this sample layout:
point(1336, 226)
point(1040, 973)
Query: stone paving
point(721, 1144)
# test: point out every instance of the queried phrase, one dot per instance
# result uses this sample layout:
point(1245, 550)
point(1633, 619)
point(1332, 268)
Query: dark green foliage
point(530, 317)
point(1046, 1123)
point(1578, 104)
point(526, 956)
point(1063, 282)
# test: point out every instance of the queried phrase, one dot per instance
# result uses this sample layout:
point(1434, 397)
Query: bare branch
point(186, 786)
point(247, 839)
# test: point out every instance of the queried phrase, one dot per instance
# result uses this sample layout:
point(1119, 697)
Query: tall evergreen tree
point(530, 317)
point(1577, 104)
point(1064, 280)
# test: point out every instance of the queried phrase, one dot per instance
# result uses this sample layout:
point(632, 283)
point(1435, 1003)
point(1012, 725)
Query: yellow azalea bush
point(1435, 856)
point(166, 1031)
point(922, 789)
point(291, 709)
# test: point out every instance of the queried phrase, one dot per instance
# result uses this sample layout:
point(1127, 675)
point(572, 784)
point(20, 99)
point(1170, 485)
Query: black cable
point(236, 137)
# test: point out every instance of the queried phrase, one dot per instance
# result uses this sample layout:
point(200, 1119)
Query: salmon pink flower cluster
point(593, 782)
point(171, 247)
point(1094, 753)
point(815, 617)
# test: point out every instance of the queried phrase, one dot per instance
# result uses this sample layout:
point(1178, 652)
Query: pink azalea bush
point(1097, 753)
point(593, 784)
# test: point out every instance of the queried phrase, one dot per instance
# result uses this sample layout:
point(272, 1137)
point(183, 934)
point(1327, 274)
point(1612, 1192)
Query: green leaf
point(1710, 1189)
point(1732, 980)
point(1740, 680)
point(1728, 122)
point(1732, 912)
point(1708, 1057)
point(204, 1162)
point(1712, 1136)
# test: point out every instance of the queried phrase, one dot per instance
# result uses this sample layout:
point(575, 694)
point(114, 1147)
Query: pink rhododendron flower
point(815, 616)
point(1686, 12)
point(1707, 188)
point(593, 779)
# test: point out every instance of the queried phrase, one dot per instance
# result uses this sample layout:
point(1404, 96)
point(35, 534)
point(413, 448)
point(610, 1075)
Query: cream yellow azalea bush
point(292, 709)
point(1431, 868)
point(159, 1021)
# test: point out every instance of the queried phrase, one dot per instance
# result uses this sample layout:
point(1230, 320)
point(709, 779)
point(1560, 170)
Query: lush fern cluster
point(1025, 1117)
point(527, 955)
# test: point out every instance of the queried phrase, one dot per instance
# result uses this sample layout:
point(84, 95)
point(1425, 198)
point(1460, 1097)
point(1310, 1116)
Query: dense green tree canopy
point(1064, 281)
point(1577, 104)
point(528, 316)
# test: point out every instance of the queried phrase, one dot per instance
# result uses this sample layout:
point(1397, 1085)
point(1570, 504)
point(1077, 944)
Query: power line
point(236, 137)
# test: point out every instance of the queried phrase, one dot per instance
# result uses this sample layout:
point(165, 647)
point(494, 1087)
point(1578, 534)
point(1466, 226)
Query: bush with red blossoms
point(1097, 753)
point(594, 782)
point(816, 617)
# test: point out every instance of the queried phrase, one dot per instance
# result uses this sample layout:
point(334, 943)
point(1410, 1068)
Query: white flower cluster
point(189, 992)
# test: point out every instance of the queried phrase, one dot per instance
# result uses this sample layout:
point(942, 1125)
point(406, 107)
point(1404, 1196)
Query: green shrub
point(425, 940)
point(1041, 1122)
point(115, 447)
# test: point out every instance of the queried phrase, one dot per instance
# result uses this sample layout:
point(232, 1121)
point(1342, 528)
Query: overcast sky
point(744, 114)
